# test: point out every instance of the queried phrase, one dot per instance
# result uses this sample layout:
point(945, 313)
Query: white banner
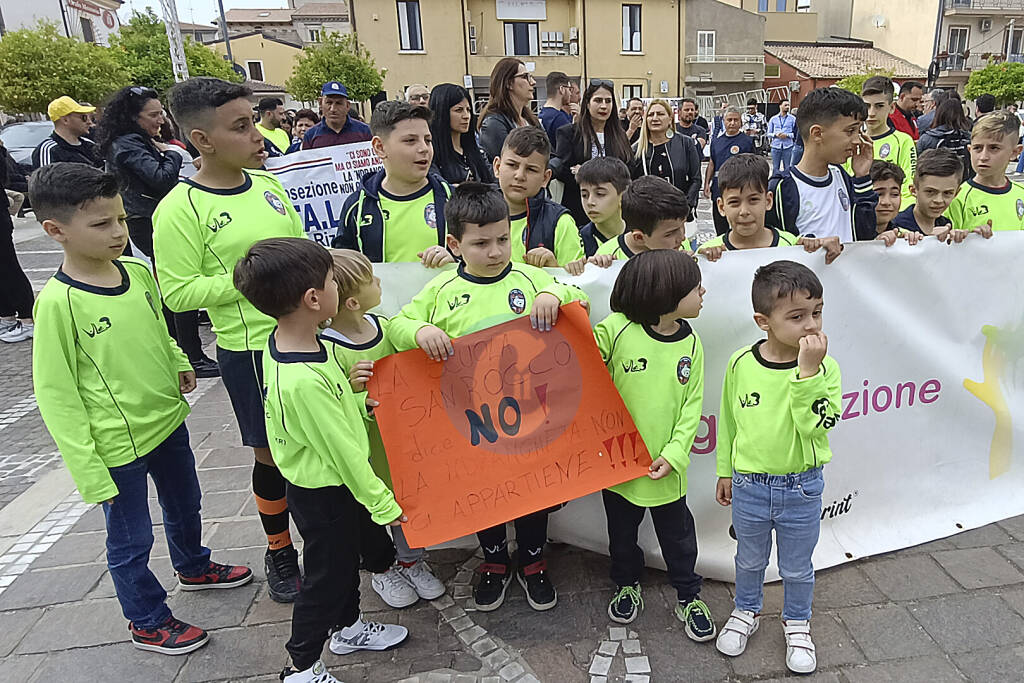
point(930, 341)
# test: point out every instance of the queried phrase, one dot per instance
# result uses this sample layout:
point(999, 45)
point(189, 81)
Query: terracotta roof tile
point(839, 61)
point(321, 9)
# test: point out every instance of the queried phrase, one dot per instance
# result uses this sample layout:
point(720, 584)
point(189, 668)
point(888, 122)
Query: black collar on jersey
point(244, 187)
point(407, 197)
point(478, 280)
point(629, 253)
point(732, 247)
point(771, 365)
point(61, 276)
point(892, 129)
point(990, 190)
point(377, 338)
point(813, 182)
point(296, 356)
point(683, 332)
point(519, 216)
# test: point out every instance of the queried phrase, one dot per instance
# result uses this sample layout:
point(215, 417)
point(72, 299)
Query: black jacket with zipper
point(685, 161)
point(144, 173)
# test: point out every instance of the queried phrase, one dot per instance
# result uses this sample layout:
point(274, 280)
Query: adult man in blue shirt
point(336, 127)
point(781, 131)
point(553, 115)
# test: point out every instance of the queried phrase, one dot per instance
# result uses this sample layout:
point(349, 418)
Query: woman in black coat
point(508, 107)
point(457, 157)
point(660, 152)
point(146, 171)
point(586, 139)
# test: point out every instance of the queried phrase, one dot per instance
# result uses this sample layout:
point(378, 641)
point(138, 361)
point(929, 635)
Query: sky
point(197, 11)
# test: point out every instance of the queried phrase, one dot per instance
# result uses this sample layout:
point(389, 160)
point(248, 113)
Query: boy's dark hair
point(650, 199)
point(604, 170)
point(268, 104)
point(751, 101)
point(822, 106)
point(652, 283)
point(192, 101)
point(554, 81)
point(886, 170)
point(58, 190)
point(526, 140)
point(939, 162)
point(985, 103)
point(744, 171)
point(389, 114)
point(878, 85)
point(782, 279)
point(474, 203)
point(275, 273)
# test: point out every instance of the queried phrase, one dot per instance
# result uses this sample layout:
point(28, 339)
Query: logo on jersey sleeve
point(826, 420)
point(1020, 208)
point(883, 151)
point(430, 215)
point(152, 305)
point(275, 202)
point(517, 301)
point(683, 370)
point(735, 149)
point(844, 199)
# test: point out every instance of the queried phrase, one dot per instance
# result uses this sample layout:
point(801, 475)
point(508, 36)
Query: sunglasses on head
point(139, 91)
point(601, 81)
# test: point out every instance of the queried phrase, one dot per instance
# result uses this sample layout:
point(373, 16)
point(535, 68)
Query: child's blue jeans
point(130, 530)
point(791, 505)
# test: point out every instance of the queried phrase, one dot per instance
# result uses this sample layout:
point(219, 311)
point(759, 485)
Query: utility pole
point(224, 30)
point(178, 64)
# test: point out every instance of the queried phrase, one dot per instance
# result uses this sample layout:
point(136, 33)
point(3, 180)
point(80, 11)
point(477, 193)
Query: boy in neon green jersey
point(651, 350)
point(485, 290)
point(544, 233)
point(889, 144)
point(315, 420)
point(655, 213)
point(109, 382)
point(354, 340)
point(200, 230)
point(990, 198)
point(744, 199)
point(780, 399)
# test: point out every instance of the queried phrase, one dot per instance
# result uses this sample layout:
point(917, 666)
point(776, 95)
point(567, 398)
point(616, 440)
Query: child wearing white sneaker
point(354, 340)
point(780, 398)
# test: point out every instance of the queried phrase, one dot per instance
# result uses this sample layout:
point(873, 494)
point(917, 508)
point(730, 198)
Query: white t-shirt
point(826, 208)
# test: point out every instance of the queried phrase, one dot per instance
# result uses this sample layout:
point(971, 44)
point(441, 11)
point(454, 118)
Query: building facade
point(265, 59)
point(973, 33)
point(93, 21)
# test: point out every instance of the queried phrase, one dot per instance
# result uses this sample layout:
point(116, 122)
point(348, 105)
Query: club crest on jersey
point(430, 215)
point(683, 370)
point(844, 199)
point(517, 301)
point(735, 149)
point(275, 202)
point(883, 151)
point(1020, 208)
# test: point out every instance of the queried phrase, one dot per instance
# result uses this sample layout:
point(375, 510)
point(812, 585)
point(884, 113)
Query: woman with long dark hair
point(457, 157)
point(146, 171)
point(508, 107)
point(661, 152)
point(591, 136)
point(950, 130)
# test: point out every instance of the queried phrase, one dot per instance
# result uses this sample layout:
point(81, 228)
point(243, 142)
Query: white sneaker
point(800, 655)
point(394, 589)
point(741, 625)
point(18, 332)
point(315, 674)
point(372, 636)
point(423, 581)
point(6, 324)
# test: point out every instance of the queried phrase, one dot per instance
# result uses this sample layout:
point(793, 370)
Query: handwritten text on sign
point(516, 421)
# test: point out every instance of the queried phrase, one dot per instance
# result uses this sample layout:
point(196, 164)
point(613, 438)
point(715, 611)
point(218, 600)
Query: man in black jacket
point(68, 141)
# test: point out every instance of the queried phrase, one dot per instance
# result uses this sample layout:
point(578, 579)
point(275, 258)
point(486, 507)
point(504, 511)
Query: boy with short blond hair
point(990, 198)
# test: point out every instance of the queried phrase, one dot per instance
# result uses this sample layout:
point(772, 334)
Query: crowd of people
point(296, 335)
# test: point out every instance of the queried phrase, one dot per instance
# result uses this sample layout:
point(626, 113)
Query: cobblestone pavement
point(950, 610)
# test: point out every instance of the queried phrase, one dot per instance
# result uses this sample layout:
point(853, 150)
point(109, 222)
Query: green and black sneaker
point(625, 604)
point(696, 617)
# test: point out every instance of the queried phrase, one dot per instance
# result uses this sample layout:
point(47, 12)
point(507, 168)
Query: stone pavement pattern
point(950, 610)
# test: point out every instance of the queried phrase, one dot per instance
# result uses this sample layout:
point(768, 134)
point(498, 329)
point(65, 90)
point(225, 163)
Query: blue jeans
point(781, 159)
point(796, 154)
point(790, 504)
point(1020, 163)
point(130, 530)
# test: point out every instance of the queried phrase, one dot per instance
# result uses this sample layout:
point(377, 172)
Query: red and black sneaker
point(216, 576)
point(489, 592)
point(539, 592)
point(172, 637)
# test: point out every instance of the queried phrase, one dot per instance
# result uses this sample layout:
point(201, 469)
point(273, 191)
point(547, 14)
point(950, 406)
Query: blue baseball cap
point(334, 88)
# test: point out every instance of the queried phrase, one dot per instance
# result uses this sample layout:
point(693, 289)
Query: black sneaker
point(489, 592)
point(696, 616)
point(283, 577)
point(625, 604)
point(172, 637)
point(539, 592)
point(206, 367)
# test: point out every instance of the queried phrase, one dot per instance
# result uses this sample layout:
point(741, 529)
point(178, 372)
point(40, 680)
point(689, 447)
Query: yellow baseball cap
point(62, 106)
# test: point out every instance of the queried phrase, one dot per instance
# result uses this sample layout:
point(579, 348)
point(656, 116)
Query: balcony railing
point(985, 5)
point(972, 62)
point(724, 59)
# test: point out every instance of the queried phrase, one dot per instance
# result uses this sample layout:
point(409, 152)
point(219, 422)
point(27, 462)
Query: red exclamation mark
point(542, 396)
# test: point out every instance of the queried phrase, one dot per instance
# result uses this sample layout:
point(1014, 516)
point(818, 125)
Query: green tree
point(39, 65)
point(337, 58)
point(1004, 80)
point(855, 82)
point(143, 50)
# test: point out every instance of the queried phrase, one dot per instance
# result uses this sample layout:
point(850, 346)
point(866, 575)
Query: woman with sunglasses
point(457, 157)
point(661, 152)
point(146, 170)
point(589, 137)
point(508, 107)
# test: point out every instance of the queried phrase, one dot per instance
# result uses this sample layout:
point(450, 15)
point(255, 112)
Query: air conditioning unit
point(574, 49)
point(472, 31)
point(574, 33)
point(985, 25)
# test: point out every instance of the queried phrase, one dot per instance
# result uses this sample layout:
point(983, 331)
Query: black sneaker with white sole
point(489, 592)
point(625, 604)
point(539, 592)
point(283, 577)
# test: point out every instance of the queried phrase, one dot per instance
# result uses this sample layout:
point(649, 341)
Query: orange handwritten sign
point(516, 421)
